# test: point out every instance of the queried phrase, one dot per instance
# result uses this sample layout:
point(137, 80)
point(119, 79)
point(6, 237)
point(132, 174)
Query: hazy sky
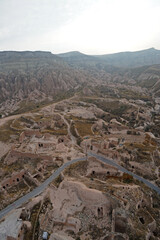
point(89, 26)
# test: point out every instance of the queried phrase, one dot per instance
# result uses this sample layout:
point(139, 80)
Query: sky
point(88, 26)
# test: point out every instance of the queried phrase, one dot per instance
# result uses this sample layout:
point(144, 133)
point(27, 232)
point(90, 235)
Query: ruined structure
point(13, 180)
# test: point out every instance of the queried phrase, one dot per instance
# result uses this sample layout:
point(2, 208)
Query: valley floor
point(89, 199)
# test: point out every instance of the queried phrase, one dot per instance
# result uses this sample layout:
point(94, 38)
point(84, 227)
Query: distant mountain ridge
point(76, 58)
point(11, 60)
point(22, 73)
point(149, 56)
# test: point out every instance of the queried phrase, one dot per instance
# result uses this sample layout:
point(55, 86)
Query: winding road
point(42, 187)
point(37, 190)
point(113, 163)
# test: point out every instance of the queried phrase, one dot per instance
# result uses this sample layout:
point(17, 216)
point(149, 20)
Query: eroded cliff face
point(42, 76)
point(28, 79)
point(23, 73)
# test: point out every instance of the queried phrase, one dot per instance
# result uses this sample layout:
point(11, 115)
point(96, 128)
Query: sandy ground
point(4, 148)
point(74, 196)
point(6, 119)
point(60, 236)
point(46, 108)
point(11, 226)
point(82, 112)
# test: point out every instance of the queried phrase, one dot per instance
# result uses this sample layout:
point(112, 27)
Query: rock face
point(11, 228)
point(60, 236)
point(75, 197)
point(40, 75)
point(23, 72)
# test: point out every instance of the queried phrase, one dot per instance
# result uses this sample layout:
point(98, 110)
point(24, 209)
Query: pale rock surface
point(60, 236)
point(11, 225)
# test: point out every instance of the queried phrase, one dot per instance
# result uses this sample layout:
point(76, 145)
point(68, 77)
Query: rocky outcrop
point(75, 197)
point(23, 73)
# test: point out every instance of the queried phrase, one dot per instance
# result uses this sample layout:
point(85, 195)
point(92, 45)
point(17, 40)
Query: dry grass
point(74, 118)
point(55, 132)
point(84, 128)
point(17, 189)
point(41, 117)
point(76, 169)
point(143, 151)
point(114, 107)
point(129, 94)
point(34, 223)
point(17, 124)
point(141, 147)
point(6, 132)
point(27, 106)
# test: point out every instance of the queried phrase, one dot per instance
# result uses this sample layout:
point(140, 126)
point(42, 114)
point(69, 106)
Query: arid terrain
point(67, 107)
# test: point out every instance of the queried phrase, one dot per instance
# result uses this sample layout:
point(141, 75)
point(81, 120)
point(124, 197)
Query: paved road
point(111, 162)
point(37, 190)
point(41, 188)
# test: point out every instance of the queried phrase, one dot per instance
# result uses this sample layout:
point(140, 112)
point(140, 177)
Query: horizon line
point(76, 51)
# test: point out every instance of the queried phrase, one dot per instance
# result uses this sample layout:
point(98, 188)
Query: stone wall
point(13, 180)
point(96, 167)
point(29, 133)
point(63, 139)
point(15, 155)
point(113, 154)
point(46, 145)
